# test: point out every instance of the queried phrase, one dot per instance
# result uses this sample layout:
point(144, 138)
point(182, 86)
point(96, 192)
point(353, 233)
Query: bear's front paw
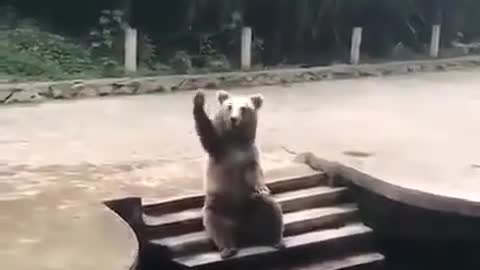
point(264, 190)
point(261, 191)
point(228, 253)
point(199, 99)
point(280, 245)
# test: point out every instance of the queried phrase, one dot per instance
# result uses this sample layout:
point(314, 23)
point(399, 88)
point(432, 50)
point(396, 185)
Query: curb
point(35, 92)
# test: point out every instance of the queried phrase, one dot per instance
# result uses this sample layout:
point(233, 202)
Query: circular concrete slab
point(54, 231)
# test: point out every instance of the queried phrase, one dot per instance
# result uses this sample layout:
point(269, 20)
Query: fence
point(130, 57)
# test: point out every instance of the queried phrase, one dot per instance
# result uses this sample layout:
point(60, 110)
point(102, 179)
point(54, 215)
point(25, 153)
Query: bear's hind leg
point(266, 222)
point(221, 230)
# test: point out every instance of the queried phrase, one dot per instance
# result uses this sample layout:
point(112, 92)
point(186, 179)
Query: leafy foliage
point(54, 49)
point(107, 32)
point(14, 63)
point(186, 36)
point(30, 52)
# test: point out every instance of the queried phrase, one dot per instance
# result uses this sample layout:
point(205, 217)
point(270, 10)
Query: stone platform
point(57, 230)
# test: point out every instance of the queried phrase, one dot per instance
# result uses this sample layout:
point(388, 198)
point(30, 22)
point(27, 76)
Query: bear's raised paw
point(199, 99)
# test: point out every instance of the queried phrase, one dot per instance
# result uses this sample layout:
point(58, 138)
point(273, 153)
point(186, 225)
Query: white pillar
point(356, 44)
point(435, 42)
point(130, 49)
point(246, 57)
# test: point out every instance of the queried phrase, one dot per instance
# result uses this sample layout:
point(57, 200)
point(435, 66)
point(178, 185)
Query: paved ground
point(421, 131)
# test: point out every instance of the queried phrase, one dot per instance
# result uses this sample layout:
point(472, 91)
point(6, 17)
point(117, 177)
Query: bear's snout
point(234, 121)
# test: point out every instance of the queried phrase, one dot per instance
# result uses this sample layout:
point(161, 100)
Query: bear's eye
point(243, 110)
point(229, 107)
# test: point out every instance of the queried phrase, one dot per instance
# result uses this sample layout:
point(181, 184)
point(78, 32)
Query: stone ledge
point(342, 174)
point(32, 92)
point(415, 229)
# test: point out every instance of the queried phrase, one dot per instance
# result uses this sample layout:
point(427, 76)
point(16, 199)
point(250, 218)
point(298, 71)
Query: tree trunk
point(340, 47)
point(126, 8)
point(302, 15)
point(453, 19)
point(191, 14)
point(226, 9)
point(277, 39)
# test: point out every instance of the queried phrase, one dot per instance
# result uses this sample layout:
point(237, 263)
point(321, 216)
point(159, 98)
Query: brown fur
point(238, 209)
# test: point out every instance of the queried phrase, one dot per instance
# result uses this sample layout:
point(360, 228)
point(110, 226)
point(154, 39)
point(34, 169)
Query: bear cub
point(238, 209)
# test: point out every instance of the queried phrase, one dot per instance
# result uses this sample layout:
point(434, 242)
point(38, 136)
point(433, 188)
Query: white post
point(356, 43)
point(435, 42)
point(246, 58)
point(130, 49)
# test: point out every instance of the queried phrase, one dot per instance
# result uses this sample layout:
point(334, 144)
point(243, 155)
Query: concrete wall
point(40, 91)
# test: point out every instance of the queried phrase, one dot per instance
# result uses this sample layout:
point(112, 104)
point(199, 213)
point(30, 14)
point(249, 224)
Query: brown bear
point(238, 209)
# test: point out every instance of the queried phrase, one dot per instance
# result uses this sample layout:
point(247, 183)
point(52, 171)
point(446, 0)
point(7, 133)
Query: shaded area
point(417, 238)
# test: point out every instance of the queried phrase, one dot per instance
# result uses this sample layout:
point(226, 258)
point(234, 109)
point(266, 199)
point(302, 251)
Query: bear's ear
point(222, 95)
point(257, 101)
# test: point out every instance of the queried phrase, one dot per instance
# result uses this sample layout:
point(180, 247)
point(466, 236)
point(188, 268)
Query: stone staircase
point(322, 229)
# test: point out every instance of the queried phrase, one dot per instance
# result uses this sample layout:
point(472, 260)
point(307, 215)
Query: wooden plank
point(322, 239)
point(311, 198)
point(306, 180)
point(172, 205)
point(179, 218)
point(190, 220)
point(319, 218)
point(173, 224)
point(295, 223)
point(279, 184)
point(352, 262)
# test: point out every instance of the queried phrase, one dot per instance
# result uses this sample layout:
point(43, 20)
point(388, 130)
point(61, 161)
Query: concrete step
point(295, 223)
point(190, 220)
point(325, 243)
point(292, 177)
point(363, 261)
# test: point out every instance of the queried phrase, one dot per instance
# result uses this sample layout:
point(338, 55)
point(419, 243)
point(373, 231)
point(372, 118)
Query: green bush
point(31, 52)
point(13, 63)
point(70, 57)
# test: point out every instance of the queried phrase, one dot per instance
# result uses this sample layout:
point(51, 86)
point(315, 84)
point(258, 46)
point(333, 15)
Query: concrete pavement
point(420, 132)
